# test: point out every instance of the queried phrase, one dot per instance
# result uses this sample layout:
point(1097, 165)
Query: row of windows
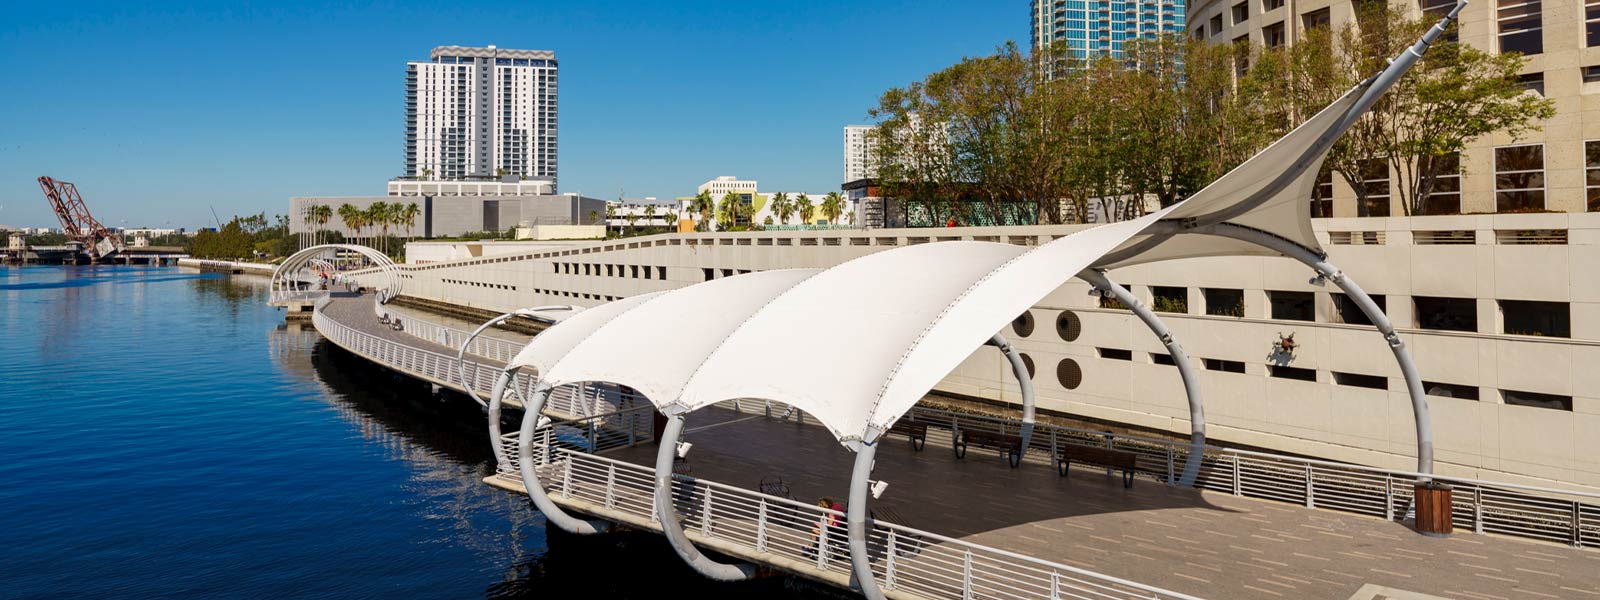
point(1519, 183)
point(601, 270)
point(1519, 317)
point(1376, 382)
point(480, 284)
point(577, 295)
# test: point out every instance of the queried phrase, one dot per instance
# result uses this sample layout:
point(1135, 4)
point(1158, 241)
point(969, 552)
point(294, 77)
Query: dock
point(1259, 526)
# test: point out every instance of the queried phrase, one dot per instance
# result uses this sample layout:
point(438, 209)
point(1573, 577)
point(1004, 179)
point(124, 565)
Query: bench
point(1010, 446)
point(907, 543)
point(1127, 462)
point(916, 431)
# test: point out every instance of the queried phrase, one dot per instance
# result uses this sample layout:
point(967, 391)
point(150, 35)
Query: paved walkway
point(1203, 543)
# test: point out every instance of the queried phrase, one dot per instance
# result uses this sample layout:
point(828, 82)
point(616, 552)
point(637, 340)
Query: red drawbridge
point(79, 225)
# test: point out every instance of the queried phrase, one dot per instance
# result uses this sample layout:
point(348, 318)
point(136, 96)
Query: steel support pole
point(1326, 270)
point(856, 515)
point(495, 403)
point(668, 516)
point(1186, 370)
point(530, 476)
point(1024, 381)
point(461, 355)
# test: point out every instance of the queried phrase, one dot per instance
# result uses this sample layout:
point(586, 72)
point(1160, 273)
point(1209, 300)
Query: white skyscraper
point(860, 161)
point(481, 112)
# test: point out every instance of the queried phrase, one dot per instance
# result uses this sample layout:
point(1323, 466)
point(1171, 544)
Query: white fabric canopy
point(857, 345)
point(657, 345)
point(556, 340)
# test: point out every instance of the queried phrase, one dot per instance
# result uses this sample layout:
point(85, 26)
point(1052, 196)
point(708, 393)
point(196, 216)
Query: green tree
point(832, 206)
point(408, 217)
point(650, 215)
point(611, 213)
point(803, 206)
point(782, 207)
point(704, 206)
point(351, 217)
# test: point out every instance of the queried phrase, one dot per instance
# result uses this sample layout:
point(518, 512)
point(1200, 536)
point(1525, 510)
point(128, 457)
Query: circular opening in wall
point(1027, 363)
point(1023, 324)
point(1069, 326)
point(1069, 373)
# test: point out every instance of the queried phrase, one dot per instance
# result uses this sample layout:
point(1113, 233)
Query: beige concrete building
point(1544, 170)
point(1502, 313)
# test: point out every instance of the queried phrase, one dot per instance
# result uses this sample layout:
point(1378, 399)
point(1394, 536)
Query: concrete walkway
point(1203, 543)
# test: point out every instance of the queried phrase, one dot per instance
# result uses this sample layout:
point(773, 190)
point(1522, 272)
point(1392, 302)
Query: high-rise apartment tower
point(1096, 27)
point(481, 112)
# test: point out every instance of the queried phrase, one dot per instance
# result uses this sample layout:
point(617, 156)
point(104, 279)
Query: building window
point(1358, 380)
point(1537, 400)
point(1170, 299)
point(1533, 82)
point(1375, 182)
point(1347, 311)
point(1450, 390)
point(1293, 306)
point(1226, 366)
point(1241, 55)
point(1591, 22)
point(1526, 317)
point(1272, 35)
point(1216, 24)
point(1267, 5)
point(1114, 354)
point(1521, 28)
point(1322, 194)
point(1519, 178)
point(1435, 10)
point(1224, 302)
point(1200, 32)
point(1162, 359)
point(1282, 372)
point(1591, 172)
point(1446, 314)
point(1316, 19)
point(1445, 196)
point(1241, 12)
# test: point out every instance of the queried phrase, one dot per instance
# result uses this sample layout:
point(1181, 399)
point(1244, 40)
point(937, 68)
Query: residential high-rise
point(1096, 27)
point(860, 161)
point(481, 112)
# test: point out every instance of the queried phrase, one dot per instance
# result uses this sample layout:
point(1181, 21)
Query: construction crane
point(98, 241)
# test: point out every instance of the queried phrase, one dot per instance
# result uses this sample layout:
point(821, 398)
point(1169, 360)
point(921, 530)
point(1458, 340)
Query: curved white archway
point(308, 275)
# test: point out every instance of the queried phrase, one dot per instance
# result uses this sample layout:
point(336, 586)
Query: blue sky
point(161, 111)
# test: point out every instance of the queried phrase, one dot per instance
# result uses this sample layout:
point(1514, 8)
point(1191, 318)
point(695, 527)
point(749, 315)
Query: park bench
point(1125, 461)
point(916, 431)
point(907, 543)
point(1010, 446)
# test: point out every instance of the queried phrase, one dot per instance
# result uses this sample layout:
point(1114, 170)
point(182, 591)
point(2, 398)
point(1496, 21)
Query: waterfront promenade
point(1203, 543)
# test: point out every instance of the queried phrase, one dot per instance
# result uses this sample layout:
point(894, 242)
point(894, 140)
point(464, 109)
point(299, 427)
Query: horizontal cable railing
point(812, 538)
point(444, 370)
point(1562, 516)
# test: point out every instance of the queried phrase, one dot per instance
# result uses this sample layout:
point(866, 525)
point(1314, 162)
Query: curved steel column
point(1025, 381)
point(1191, 380)
point(495, 404)
point(461, 356)
point(856, 515)
point(530, 477)
point(1324, 269)
point(672, 527)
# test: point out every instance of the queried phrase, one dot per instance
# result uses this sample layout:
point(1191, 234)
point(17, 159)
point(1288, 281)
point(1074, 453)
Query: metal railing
point(492, 348)
point(1562, 516)
point(443, 369)
point(810, 539)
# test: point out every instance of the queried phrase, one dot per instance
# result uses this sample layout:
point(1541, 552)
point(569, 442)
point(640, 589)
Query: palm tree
point(729, 209)
point(611, 213)
point(351, 216)
point(408, 217)
point(650, 215)
point(832, 205)
point(321, 213)
point(594, 217)
point(803, 206)
point(703, 205)
point(782, 207)
point(672, 220)
point(378, 215)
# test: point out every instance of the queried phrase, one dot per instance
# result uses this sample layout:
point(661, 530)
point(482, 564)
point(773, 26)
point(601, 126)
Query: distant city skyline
point(161, 112)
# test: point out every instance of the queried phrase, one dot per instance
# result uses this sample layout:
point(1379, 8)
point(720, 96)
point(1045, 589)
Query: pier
point(1258, 526)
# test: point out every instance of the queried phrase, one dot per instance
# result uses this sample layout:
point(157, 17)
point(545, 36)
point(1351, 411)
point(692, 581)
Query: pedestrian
point(830, 521)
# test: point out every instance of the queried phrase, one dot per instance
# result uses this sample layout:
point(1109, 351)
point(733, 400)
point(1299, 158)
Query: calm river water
point(164, 434)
